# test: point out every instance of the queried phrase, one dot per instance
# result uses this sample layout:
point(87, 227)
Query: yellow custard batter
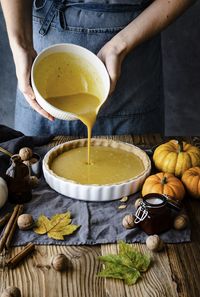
point(108, 165)
point(85, 106)
point(71, 84)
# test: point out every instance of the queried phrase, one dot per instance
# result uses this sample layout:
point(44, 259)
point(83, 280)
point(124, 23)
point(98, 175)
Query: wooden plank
point(35, 276)
point(156, 282)
point(184, 258)
point(113, 287)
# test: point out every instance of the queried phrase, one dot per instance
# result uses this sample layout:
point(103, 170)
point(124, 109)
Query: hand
point(112, 56)
point(23, 59)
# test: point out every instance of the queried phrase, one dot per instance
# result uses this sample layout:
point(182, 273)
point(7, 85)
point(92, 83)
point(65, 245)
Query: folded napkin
point(100, 222)
point(12, 141)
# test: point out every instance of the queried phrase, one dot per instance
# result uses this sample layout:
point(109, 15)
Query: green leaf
point(133, 257)
point(127, 274)
point(127, 265)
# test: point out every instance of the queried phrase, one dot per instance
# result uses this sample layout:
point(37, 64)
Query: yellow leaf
point(69, 229)
point(43, 225)
point(55, 235)
point(57, 227)
point(65, 231)
point(55, 218)
point(59, 221)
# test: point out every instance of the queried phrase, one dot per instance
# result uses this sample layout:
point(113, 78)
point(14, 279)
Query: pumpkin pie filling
point(65, 81)
point(108, 165)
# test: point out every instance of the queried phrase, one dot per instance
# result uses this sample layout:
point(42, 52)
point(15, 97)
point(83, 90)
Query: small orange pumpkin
point(164, 183)
point(191, 180)
point(176, 157)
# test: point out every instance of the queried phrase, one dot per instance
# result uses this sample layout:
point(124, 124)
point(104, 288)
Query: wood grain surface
point(175, 272)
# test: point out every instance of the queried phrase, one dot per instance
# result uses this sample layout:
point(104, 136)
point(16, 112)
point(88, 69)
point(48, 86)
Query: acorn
point(25, 153)
point(154, 243)
point(59, 262)
point(11, 292)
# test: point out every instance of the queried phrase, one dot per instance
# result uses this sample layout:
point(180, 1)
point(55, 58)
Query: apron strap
point(57, 8)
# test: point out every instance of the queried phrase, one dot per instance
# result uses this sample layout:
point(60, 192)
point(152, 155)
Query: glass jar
point(154, 215)
point(17, 177)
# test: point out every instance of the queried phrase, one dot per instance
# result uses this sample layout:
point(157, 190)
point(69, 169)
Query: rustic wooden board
point(35, 276)
point(156, 281)
point(174, 273)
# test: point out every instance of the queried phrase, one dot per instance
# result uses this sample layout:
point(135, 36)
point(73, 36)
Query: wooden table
point(175, 271)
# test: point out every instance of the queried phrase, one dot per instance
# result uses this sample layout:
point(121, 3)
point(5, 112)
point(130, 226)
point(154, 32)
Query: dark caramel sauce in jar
point(154, 215)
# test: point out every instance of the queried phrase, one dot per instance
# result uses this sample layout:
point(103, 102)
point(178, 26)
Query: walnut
point(25, 222)
point(129, 221)
point(138, 202)
point(181, 222)
point(25, 153)
point(154, 243)
point(11, 292)
point(59, 262)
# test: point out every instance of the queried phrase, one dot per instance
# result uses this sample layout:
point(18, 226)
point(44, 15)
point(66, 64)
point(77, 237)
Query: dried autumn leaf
point(60, 234)
point(43, 224)
point(57, 227)
point(61, 220)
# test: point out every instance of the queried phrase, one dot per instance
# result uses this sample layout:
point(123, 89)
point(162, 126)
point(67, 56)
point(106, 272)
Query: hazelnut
point(11, 292)
point(59, 262)
point(154, 243)
point(181, 222)
point(25, 153)
point(33, 181)
point(128, 221)
point(138, 202)
point(25, 221)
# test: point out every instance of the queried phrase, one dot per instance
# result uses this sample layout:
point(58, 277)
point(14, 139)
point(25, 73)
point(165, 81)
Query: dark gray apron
point(136, 106)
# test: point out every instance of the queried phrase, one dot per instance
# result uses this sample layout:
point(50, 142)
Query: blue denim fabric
point(136, 106)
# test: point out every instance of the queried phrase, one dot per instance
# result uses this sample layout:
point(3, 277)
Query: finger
point(30, 98)
point(113, 66)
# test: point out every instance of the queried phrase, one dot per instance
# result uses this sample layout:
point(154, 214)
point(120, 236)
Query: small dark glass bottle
point(154, 215)
point(17, 177)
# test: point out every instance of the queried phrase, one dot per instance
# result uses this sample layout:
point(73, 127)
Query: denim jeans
point(136, 106)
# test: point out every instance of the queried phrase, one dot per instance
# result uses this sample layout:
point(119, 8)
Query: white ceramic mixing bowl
point(79, 51)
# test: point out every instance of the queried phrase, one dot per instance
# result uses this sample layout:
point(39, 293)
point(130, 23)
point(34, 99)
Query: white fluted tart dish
point(102, 187)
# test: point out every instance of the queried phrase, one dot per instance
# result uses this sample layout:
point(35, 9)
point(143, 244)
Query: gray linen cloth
point(100, 222)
